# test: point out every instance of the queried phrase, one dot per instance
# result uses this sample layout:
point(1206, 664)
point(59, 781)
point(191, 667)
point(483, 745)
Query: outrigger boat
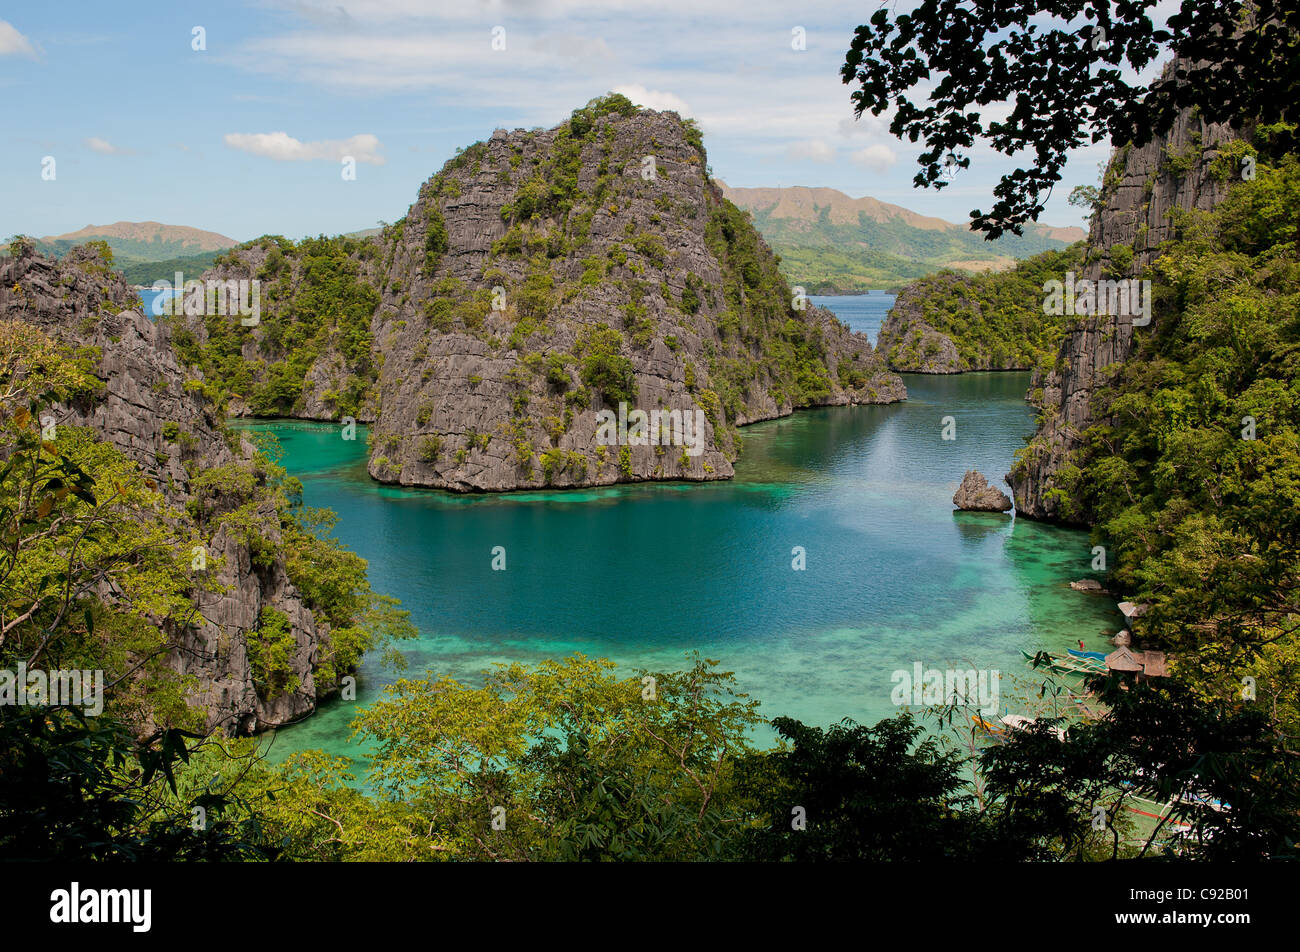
point(1009, 722)
point(1076, 662)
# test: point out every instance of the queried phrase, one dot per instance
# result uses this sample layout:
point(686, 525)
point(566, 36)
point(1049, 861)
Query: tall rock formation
point(152, 412)
point(544, 280)
point(1141, 189)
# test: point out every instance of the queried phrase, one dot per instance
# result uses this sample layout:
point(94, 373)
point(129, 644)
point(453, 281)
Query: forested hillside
point(830, 243)
point(950, 322)
point(1191, 474)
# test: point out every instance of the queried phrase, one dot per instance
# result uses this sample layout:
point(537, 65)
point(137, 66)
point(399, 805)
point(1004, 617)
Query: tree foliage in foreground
point(1162, 743)
point(565, 761)
point(75, 788)
point(878, 793)
point(946, 67)
point(96, 576)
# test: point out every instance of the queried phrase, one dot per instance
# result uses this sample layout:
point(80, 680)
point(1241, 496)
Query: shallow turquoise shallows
point(644, 574)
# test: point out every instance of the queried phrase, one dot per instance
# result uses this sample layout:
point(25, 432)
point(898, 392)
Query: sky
point(234, 117)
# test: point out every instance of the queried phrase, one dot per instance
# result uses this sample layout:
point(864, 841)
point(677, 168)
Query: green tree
point(78, 788)
point(854, 792)
point(1217, 765)
point(1062, 66)
point(564, 761)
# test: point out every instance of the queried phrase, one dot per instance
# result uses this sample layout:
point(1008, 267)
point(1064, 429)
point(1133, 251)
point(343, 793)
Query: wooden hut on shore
point(1144, 664)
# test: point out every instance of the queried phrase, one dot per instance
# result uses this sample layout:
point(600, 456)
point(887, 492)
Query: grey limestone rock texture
point(481, 346)
point(498, 416)
point(1141, 192)
point(77, 301)
point(976, 495)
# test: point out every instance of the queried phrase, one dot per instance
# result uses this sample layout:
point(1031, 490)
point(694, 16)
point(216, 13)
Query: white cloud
point(864, 125)
point(572, 47)
point(876, 157)
point(285, 148)
point(13, 43)
point(655, 99)
point(814, 150)
point(103, 146)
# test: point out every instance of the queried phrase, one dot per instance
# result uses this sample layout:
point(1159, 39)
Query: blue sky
point(244, 137)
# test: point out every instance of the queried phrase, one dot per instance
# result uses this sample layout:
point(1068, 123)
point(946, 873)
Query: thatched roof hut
point(1122, 659)
point(1154, 665)
point(1131, 610)
point(1146, 664)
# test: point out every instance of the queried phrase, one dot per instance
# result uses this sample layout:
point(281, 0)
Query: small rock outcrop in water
point(976, 495)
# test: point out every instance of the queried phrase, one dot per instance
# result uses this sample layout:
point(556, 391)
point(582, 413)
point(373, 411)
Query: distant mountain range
point(832, 243)
point(146, 250)
point(141, 240)
point(828, 242)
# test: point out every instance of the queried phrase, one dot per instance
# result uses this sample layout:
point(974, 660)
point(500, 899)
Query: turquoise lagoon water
point(644, 574)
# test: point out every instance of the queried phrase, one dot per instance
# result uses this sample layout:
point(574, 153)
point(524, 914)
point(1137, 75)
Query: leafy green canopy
point(1060, 65)
point(564, 761)
point(315, 301)
point(76, 516)
point(1192, 479)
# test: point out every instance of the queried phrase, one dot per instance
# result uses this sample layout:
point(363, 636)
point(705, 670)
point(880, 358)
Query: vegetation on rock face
point(995, 320)
point(101, 571)
point(612, 268)
point(80, 519)
point(1190, 480)
point(75, 511)
point(602, 366)
point(764, 336)
point(315, 302)
point(601, 262)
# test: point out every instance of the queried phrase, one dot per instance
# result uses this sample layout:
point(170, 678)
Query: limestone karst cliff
point(541, 278)
point(154, 413)
point(1141, 191)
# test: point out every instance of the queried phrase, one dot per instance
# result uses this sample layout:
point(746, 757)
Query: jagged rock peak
point(546, 280)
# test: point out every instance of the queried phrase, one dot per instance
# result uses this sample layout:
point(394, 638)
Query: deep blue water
point(863, 313)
